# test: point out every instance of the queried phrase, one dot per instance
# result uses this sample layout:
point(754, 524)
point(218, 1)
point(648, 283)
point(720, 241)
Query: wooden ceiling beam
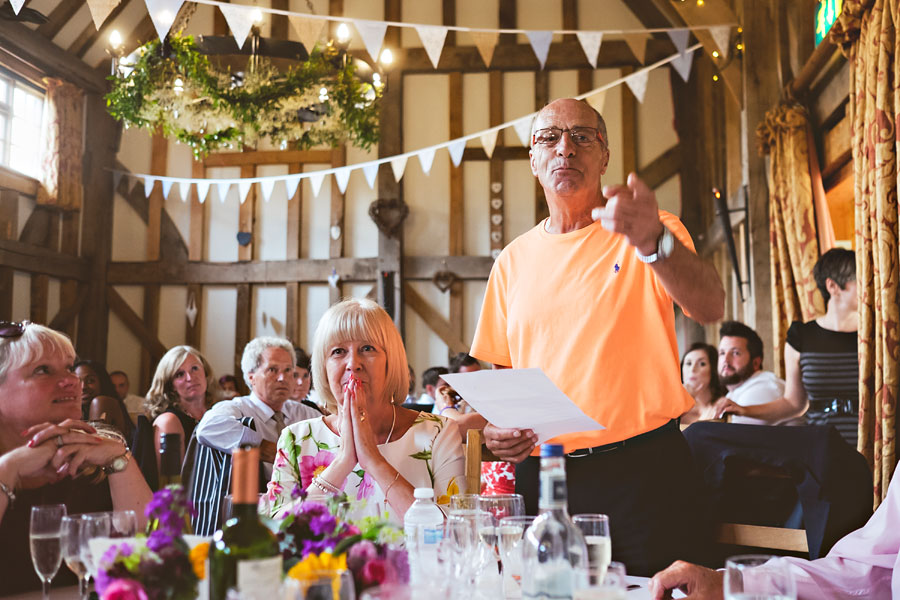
point(91, 34)
point(34, 259)
point(57, 19)
point(662, 167)
point(33, 48)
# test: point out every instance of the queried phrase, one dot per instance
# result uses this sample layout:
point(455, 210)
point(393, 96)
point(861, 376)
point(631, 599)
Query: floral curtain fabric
point(792, 222)
point(61, 163)
point(867, 32)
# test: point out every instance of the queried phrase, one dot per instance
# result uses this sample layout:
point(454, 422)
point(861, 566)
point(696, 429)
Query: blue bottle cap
point(551, 450)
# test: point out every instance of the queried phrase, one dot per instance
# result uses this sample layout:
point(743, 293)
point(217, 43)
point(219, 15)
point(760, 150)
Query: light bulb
point(343, 33)
point(387, 57)
point(376, 78)
point(115, 39)
point(257, 16)
point(715, 54)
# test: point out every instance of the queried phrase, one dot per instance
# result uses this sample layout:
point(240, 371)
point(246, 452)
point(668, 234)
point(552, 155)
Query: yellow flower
point(314, 565)
point(452, 490)
point(198, 556)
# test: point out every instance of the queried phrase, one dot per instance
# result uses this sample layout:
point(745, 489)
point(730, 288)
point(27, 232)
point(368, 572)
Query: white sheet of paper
point(523, 399)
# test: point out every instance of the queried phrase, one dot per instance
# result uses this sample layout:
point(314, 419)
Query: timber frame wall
point(715, 124)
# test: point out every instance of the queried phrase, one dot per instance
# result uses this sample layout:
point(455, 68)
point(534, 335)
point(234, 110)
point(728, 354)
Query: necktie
point(278, 417)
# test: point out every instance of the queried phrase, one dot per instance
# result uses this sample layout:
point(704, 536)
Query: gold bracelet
point(396, 477)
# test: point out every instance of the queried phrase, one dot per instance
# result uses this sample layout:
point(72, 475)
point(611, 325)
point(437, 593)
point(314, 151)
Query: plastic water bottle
point(424, 529)
point(554, 554)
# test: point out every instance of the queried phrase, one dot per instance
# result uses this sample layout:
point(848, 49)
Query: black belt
point(835, 406)
point(582, 452)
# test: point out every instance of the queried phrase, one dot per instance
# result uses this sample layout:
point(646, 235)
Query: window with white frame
point(21, 121)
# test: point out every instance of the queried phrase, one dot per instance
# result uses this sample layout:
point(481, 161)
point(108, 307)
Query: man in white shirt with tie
point(255, 420)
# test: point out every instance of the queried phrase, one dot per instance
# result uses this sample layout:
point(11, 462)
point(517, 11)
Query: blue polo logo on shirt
point(616, 268)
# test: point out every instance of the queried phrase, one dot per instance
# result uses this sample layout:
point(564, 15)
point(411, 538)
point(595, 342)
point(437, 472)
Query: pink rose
point(124, 589)
point(374, 572)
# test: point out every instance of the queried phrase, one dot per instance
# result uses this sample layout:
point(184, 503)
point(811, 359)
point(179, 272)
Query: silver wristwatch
point(665, 244)
point(118, 464)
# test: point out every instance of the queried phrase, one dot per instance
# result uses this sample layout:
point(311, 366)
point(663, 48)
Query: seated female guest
point(99, 401)
point(182, 389)
point(47, 454)
point(368, 447)
point(701, 379)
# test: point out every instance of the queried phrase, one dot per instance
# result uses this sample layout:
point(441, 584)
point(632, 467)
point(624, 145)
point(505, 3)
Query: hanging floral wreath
point(175, 88)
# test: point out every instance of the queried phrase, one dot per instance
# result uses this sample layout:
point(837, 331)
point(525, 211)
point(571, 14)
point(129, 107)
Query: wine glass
point(321, 585)
point(511, 533)
point(613, 586)
point(595, 528)
point(70, 540)
point(464, 502)
point(93, 525)
point(758, 576)
point(502, 505)
point(123, 524)
point(44, 535)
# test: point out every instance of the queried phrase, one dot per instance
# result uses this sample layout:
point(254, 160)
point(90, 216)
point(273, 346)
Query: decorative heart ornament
point(191, 310)
point(388, 214)
point(335, 232)
point(444, 280)
point(244, 237)
point(495, 253)
point(496, 219)
point(496, 203)
point(496, 187)
point(496, 236)
point(334, 279)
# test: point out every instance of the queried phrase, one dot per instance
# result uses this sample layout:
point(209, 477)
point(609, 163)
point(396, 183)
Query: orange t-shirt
point(583, 308)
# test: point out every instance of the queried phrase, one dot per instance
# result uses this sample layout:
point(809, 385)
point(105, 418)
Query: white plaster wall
point(173, 301)
point(123, 350)
point(316, 216)
point(360, 233)
point(21, 305)
point(217, 330)
point(223, 218)
point(269, 309)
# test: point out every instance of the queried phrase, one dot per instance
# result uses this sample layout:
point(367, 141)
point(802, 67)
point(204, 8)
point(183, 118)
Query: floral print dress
point(429, 454)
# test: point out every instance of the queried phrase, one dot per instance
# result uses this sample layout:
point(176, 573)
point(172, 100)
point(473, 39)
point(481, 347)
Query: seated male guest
point(863, 564)
point(740, 371)
point(255, 420)
point(368, 446)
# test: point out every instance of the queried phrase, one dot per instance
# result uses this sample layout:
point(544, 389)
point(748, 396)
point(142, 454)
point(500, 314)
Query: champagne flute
point(595, 528)
point(758, 576)
point(94, 525)
point(511, 532)
point(70, 540)
point(45, 546)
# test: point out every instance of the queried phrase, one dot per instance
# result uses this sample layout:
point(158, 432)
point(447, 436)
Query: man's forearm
point(693, 283)
point(776, 410)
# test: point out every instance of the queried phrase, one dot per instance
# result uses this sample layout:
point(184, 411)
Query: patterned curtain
point(61, 162)
point(792, 222)
point(867, 32)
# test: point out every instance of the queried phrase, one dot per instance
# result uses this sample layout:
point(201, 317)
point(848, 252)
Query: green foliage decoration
point(176, 89)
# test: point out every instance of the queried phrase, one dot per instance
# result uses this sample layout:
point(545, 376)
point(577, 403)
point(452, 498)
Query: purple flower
point(361, 553)
point(399, 559)
point(158, 540)
point(298, 492)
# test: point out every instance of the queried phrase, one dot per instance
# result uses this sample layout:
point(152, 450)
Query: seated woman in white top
point(368, 447)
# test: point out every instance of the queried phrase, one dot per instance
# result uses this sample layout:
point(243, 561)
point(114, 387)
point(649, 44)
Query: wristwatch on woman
point(665, 244)
point(118, 464)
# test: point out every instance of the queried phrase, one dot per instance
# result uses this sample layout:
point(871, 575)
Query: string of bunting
point(636, 82)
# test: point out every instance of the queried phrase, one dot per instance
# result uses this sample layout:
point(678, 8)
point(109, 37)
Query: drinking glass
point(399, 591)
point(502, 505)
point(320, 585)
point(758, 576)
point(44, 535)
point(511, 534)
point(123, 524)
point(93, 525)
point(465, 531)
point(70, 540)
point(612, 587)
point(595, 528)
point(464, 502)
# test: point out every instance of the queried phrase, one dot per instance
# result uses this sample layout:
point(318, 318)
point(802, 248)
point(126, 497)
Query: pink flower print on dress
point(281, 459)
point(311, 466)
point(273, 490)
point(366, 487)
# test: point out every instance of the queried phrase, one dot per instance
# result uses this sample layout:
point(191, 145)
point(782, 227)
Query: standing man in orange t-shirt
point(587, 296)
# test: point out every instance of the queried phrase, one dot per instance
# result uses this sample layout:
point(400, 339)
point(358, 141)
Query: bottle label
point(553, 491)
point(259, 579)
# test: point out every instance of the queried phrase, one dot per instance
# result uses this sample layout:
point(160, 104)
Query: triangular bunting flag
point(456, 148)
point(315, 181)
point(637, 83)
point(722, 37)
point(148, 186)
point(372, 33)
point(433, 39)
point(485, 41)
point(371, 171)
point(117, 177)
point(202, 190)
point(17, 5)
point(265, 187)
point(291, 184)
point(523, 130)
point(540, 43)
point(163, 13)
point(680, 38)
point(426, 157)
point(167, 186)
point(682, 65)
point(239, 19)
point(100, 9)
point(398, 165)
point(590, 43)
point(597, 101)
point(308, 30)
point(243, 189)
point(488, 141)
point(342, 177)
point(637, 43)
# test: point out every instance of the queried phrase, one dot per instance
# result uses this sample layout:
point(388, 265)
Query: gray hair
point(253, 352)
point(35, 342)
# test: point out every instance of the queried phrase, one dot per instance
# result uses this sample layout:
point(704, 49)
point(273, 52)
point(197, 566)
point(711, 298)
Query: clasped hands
point(55, 451)
point(358, 442)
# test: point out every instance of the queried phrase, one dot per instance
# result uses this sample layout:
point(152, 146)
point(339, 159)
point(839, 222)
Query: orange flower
point(198, 556)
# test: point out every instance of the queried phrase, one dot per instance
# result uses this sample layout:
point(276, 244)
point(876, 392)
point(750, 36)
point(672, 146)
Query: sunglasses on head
point(11, 329)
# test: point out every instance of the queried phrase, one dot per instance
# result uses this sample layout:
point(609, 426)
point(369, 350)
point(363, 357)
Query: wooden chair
point(476, 453)
point(759, 536)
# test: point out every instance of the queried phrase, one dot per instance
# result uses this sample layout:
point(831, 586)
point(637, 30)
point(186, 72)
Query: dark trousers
point(651, 491)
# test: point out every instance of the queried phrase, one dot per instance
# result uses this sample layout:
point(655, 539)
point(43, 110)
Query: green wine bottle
point(244, 554)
